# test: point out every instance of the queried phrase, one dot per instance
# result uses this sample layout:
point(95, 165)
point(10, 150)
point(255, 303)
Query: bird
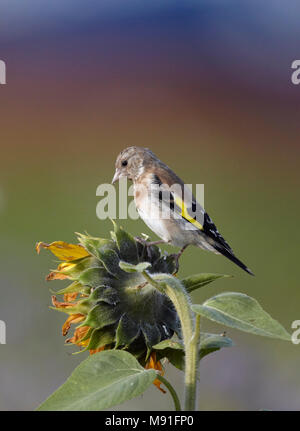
point(168, 207)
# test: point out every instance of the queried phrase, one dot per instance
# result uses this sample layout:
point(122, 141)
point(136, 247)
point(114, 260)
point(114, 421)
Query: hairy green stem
point(180, 298)
point(196, 336)
point(193, 364)
point(172, 392)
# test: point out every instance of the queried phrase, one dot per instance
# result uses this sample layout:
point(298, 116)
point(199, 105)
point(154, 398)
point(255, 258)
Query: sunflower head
point(109, 299)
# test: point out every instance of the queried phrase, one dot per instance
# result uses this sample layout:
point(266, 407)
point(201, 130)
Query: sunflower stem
point(172, 392)
point(174, 289)
point(192, 367)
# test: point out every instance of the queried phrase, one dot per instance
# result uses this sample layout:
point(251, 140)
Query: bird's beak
point(116, 176)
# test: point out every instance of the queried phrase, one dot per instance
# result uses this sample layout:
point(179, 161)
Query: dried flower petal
point(155, 365)
point(63, 250)
point(68, 297)
point(100, 349)
point(73, 318)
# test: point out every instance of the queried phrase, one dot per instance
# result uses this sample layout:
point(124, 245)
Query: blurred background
point(207, 86)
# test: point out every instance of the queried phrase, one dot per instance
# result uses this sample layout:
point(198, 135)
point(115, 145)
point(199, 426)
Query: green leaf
point(128, 267)
point(86, 304)
point(210, 343)
point(196, 281)
point(127, 331)
point(95, 277)
point(101, 381)
point(109, 295)
point(172, 350)
point(95, 245)
point(242, 312)
point(74, 288)
point(126, 244)
point(100, 338)
point(79, 265)
point(168, 344)
point(110, 261)
point(151, 334)
point(102, 315)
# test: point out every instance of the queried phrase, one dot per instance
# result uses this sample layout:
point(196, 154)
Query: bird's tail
point(229, 254)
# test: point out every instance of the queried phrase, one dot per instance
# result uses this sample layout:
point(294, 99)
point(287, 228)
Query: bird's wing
point(188, 209)
point(179, 198)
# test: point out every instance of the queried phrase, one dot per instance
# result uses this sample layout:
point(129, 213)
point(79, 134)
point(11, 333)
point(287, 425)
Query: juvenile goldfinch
point(167, 206)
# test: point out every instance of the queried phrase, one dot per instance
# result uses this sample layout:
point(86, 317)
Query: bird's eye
point(124, 163)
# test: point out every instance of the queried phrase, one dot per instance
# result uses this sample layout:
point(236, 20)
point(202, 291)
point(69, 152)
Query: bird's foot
point(148, 244)
point(176, 257)
point(140, 240)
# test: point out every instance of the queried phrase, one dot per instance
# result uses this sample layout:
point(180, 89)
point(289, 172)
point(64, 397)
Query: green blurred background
point(208, 89)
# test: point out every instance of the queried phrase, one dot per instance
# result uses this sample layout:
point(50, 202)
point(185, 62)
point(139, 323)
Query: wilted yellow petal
point(54, 275)
point(74, 318)
point(156, 365)
point(65, 266)
point(68, 297)
point(79, 333)
point(63, 250)
point(93, 351)
point(58, 304)
point(61, 273)
point(84, 343)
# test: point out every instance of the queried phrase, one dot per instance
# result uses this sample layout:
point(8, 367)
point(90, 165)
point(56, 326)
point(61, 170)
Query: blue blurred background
point(207, 86)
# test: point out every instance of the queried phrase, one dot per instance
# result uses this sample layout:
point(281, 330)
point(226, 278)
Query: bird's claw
point(176, 260)
point(141, 240)
point(145, 244)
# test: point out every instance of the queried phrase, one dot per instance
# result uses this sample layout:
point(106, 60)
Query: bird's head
point(131, 163)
